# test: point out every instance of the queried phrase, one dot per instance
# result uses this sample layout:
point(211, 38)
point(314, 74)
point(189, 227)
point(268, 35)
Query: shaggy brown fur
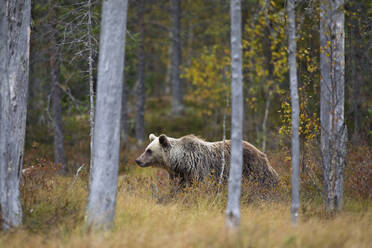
point(191, 158)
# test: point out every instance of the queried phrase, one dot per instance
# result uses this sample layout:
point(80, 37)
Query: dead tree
point(15, 19)
point(235, 175)
point(105, 155)
point(295, 110)
point(332, 87)
point(177, 103)
point(56, 94)
point(141, 91)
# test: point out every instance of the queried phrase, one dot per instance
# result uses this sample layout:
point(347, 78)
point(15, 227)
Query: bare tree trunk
point(168, 74)
point(56, 95)
point(264, 123)
point(103, 178)
point(339, 78)
point(257, 126)
point(15, 19)
point(333, 133)
point(124, 114)
point(295, 110)
point(355, 77)
point(355, 101)
point(141, 94)
point(91, 82)
point(325, 93)
point(223, 143)
point(270, 76)
point(189, 45)
point(177, 103)
point(235, 175)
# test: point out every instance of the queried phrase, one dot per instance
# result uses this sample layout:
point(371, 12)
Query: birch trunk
point(295, 110)
point(15, 19)
point(333, 133)
point(141, 94)
point(103, 178)
point(234, 189)
point(58, 137)
point(177, 104)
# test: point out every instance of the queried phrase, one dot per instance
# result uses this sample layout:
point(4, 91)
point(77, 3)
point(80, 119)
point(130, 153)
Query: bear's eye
point(149, 151)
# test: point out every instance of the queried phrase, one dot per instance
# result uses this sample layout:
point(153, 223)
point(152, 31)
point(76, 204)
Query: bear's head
point(155, 152)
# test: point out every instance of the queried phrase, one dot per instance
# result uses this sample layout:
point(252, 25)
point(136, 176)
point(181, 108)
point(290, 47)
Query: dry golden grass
point(148, 216)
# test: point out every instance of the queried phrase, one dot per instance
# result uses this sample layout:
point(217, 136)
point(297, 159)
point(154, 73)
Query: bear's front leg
point(178, 183)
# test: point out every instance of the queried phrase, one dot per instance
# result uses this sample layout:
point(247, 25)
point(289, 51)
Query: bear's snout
point(138, 161)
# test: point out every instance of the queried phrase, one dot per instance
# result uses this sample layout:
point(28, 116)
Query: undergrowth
point(150, 214)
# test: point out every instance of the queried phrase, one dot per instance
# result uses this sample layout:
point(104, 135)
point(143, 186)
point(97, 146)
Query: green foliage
point(309, 127)
point(205, 38)
point(209, 76)
point(263, 38)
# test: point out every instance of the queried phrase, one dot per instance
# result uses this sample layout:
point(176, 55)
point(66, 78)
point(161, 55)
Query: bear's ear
point(163, 140)
point(152, 137)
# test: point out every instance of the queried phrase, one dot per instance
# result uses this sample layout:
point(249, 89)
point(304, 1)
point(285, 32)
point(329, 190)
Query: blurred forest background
point(65, 34)
point(204, 70)
point(62, 40)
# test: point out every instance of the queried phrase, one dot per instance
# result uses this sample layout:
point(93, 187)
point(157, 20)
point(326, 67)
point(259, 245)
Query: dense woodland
point(61, 37)
point(176, 73)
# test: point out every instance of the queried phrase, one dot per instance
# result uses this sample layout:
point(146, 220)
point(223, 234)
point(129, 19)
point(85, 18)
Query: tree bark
point(333, 133)
point(270, 77)
point(103, 178)
point(295, 110)
point(15, 19)
point(168, 74)
point(234, 189)
point(141, 94)
point(264, 123)
point(223, 144)
point(124, 114)
point(355, 74)
point(91, 82)
point(177, 103)
point(56, 96)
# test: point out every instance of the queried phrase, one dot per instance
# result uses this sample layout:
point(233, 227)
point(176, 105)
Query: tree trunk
point(124, 114)
point(104, 171)
point(91, 82)
point(270, 77)
point(168, 74)
point(355, 101)
point(333, 133)
point(355, 75)
point(177, 104)
point(234, 189)
point(14, 71)
point(264, 123)
point(223, 144)
point(141, 94)
point(295, 110)
point(55, 95)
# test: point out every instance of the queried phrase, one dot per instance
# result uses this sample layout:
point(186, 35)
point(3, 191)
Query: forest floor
point(147, 215)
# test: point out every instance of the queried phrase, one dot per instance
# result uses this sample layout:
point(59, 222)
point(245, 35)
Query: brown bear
point(191, 158)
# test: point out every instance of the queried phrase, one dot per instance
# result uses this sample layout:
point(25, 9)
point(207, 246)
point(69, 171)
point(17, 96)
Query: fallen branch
point(76, 176)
